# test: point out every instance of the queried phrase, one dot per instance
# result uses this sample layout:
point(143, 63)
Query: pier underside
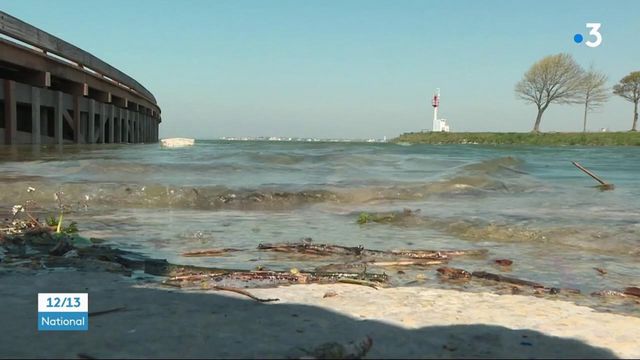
point(35, 115)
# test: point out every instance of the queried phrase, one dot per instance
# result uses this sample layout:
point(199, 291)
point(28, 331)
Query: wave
point(474, 179)
point(622, 239)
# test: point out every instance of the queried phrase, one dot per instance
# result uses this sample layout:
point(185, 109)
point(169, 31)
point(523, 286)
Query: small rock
point(503, 262)
point(62, 247)
point(453, 273)
point(71, 254)
point(330, 294)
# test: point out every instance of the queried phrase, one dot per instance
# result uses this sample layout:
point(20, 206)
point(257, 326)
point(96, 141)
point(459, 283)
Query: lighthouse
point(435, 103)
point(439, 125)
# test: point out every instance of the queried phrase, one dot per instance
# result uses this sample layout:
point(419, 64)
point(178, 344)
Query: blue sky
point(347, 69)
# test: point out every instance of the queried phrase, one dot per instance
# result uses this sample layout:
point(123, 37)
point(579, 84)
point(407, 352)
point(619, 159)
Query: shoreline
point(622, 138)
point(402, 322)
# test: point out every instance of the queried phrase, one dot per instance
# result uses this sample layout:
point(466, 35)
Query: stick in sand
point(603, 184)
point(242, 292)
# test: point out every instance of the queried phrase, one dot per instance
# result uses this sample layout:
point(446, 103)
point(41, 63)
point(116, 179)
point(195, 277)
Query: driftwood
point(362, 265)
point(520, 282)
point(280, 276)
point(359, 282)
point(453, 273)
point(306, 247)
point(187, 273)
point(603, 185)
point(632, 291)
point(505, 279)
point(416, 262)
point(208, 252)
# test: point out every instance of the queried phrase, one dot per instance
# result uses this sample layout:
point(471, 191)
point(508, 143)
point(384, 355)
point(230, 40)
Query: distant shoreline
point(511, 138)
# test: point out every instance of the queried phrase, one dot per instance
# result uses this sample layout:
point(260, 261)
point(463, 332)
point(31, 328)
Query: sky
point(345, 68)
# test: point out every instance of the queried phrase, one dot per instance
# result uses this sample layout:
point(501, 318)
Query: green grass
point(548, 139)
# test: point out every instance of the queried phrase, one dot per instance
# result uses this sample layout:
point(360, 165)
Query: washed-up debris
point(516, 281)
point(242, 292)
point(632, 291)
point(359, 282)
point(186, 276)
point(603, 185)
point(503, 262)
point(329, 294)
point(308, 248)
point(363, 265)
point(507, 279)
point(609, 293)
point(209, 252)
point(453, 273)
point(600, 270)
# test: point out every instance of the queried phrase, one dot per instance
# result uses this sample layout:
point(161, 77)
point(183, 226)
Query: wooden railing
point(49, 44)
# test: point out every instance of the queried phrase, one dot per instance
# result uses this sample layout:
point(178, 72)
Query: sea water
point(526, 204)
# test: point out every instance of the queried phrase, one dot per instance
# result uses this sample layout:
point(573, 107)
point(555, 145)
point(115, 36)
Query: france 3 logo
point(594, 33)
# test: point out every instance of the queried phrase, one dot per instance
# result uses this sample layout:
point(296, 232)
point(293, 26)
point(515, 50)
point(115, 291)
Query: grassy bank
point(551, 139)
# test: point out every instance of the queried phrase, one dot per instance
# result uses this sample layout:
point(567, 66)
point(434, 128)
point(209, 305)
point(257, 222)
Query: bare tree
point(629, 88)
point(594, 92)
point(553, 79)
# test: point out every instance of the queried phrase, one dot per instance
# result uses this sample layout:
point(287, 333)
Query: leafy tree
point(593, 91)
point(629, 88)
point(553, 79)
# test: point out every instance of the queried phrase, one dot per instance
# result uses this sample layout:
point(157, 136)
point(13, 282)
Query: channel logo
point(595, 33)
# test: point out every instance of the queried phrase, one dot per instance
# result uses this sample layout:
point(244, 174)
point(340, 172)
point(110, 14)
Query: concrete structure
point(52, 92)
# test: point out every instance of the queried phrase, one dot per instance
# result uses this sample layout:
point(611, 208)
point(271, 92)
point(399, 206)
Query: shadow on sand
point(167, 324)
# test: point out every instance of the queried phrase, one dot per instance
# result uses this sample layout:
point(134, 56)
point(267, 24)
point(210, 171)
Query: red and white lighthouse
point(439, 125)
point(435, 103)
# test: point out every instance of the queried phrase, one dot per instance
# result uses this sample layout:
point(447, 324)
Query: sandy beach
point(402, 322)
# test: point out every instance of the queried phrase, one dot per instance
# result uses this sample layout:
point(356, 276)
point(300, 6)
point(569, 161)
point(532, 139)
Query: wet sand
point(402, 322)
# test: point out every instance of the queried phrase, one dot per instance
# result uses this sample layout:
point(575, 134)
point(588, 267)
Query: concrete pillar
point(103, 120)
point(59, 118)
point(35, 115)
point(112, 112)
point(127, 126)
point(77, 134)
point(91, 123)
point(132, 123)
point(44, 124)
point(118, 124)
point(134, 114)
point(121, 122)
point(10, 112)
